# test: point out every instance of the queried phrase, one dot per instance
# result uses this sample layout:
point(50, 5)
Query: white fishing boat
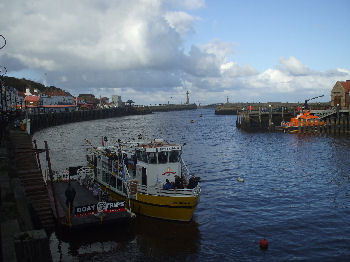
point(150, 175)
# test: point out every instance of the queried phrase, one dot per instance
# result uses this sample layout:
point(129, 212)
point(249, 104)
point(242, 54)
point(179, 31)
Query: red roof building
point(31, 101)
point(340, 94)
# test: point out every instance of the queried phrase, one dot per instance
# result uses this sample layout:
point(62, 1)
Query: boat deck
point(83, 198)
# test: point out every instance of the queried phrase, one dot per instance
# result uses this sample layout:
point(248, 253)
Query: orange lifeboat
point(305, 118)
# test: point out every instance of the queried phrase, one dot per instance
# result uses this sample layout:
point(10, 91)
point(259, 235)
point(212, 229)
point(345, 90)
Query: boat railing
point(184, 170)
point(159, 191)
point(128, 184)
point(324, 113)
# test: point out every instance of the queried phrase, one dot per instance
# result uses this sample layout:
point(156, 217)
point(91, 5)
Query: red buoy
point(264, 244)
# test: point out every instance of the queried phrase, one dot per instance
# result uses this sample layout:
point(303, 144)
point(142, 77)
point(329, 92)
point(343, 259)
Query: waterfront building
point(117, 100)
point(49, 103)
point(10, 99)
point(340, 94)
point(90, 101)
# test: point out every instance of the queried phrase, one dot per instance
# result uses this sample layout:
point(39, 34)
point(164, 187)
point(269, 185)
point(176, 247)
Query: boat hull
point(176, 208)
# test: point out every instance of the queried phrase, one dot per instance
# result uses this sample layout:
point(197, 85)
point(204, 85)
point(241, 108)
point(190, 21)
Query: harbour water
point(296, 193)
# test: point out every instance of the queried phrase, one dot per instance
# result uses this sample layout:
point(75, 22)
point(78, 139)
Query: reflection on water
point(143, 238)
point(89, 241)
point(165, 238)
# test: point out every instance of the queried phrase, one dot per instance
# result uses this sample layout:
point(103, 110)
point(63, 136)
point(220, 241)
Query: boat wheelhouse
point(137, 172)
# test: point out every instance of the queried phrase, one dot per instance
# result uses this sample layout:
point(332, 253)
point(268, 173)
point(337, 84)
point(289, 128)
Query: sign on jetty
point(87, 210)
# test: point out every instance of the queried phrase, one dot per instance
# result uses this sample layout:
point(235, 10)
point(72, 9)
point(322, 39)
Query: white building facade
point(117, 100)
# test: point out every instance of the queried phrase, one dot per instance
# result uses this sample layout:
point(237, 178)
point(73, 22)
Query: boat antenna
point(306, 106)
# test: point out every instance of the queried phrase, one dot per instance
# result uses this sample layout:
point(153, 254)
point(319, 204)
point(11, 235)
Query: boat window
point(112, 181)
point(174, 156)
point(104, 176)
point(144, 177)
point(125, 190)
point(162, 157)
point(138, 155)
point(152, 158)
point(119, 184)
point(144, 156)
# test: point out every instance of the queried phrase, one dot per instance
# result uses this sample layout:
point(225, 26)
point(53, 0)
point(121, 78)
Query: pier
point(172, 107)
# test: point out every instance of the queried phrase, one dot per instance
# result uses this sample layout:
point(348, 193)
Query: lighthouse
point(188, 98)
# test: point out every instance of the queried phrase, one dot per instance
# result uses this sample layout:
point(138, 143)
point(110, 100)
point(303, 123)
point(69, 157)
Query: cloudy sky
point(153, 51)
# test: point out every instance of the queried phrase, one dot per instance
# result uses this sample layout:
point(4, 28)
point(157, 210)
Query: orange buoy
point(264, 244)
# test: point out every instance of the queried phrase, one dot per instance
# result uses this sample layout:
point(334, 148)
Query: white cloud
point(221, 50)
point(136, 49)
point(294, 66)
point(180, 21)
point(188, 4)
point(232, 69)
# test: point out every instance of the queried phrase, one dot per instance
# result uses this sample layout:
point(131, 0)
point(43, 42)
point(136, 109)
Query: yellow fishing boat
point(150, 175)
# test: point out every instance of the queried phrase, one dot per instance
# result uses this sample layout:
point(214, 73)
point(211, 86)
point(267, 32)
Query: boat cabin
point(157, 162)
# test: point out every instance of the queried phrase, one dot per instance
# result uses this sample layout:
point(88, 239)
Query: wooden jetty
point(262, 120)
point(88, 210)
point(334, 122)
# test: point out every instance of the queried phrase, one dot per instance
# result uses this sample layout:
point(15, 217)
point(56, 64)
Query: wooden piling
point(333, 126)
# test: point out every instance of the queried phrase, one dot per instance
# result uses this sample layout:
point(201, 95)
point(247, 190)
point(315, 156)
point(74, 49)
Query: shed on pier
point(340, 94)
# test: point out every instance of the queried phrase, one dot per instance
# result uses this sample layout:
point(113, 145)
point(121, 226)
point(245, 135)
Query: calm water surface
point(296, 193)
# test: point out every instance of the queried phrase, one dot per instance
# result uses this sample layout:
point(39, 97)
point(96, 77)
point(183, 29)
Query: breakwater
point(172, 107)
point(40, 121)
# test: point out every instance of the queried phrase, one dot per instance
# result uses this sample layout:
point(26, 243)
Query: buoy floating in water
point(239, 179)
point(264, 243)
point(192, 121)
